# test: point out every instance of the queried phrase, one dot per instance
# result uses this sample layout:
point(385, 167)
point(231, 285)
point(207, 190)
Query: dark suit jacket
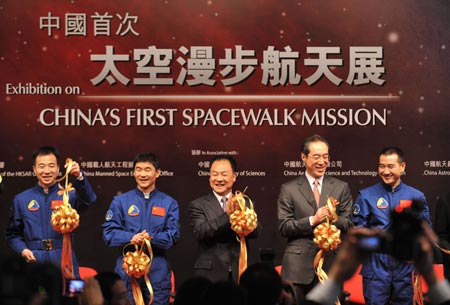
point(442, 228)
point(296, 204)
point(308, 302)
point(219, 251)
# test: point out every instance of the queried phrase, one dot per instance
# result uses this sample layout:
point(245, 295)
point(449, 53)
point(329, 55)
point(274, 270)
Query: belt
point(44, 244)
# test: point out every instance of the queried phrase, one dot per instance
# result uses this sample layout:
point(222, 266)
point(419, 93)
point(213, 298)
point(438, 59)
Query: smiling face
point(316, 161)
point(145, 175)
point(390, 169)
point(46, 169)
point(222, 177)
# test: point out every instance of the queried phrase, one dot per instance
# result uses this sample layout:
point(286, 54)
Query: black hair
point(44, 151)
point(146, 157)
point(224, 293)
point(21, 281)
point(263, 284)
point(392, 150)
point(107, 281)
point(314, 138)
point(224, 157)
point(192, 291)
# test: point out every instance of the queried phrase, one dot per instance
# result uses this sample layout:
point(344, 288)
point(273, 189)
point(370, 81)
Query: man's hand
point(76, 171)
point(28, 255)
point(231, 206)
point(350, 255)
point(320, 215)
point(92, 294)
point(424, 259)
point(140, 237)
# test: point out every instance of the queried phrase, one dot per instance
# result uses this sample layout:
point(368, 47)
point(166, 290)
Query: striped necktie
point(316, 192)
point(224, 202)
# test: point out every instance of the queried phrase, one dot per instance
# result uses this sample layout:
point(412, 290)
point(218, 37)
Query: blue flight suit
point(386, 280)
point(131, 213)
point(30, 221)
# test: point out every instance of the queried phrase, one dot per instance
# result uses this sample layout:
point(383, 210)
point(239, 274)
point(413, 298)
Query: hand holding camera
point(401, 240)
point(74, 287)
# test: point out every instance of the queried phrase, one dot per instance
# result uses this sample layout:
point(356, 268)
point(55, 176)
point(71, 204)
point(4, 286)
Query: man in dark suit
point(209, 217)
point(302, 206)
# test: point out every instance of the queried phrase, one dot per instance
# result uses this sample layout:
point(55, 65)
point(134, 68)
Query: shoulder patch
point(356, 209)
point(33, 205)
point(382, 203)
point(109, 215)
point(133, 210)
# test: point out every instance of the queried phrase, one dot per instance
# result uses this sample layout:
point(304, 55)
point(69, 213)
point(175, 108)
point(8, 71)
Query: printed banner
point(105, 80)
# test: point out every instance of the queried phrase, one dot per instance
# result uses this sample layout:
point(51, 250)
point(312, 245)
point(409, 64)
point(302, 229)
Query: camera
point(406, 227)
point(371, 243)
point(400, 240)
point(74, 287)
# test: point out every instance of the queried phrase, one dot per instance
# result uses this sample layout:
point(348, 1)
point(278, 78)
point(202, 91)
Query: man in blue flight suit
point(29, 232)
point(386, 279)
point(141, 213)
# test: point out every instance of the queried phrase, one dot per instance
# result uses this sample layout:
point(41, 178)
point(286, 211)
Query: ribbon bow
point(243, 221)
point(327, 237)
point(137, 264)
point(65, 220)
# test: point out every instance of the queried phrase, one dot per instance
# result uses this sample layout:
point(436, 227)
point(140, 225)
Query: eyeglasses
point(325, 157)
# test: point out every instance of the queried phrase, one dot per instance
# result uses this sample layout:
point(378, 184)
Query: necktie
point(316, 191)
point(224, 202)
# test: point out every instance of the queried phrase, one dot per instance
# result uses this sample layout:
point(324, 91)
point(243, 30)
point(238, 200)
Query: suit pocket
point(203, 264)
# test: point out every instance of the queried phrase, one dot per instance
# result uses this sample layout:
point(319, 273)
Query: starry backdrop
point(414, 36)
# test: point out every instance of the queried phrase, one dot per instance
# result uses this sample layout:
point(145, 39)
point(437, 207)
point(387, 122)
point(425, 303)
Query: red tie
point(316, 192)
